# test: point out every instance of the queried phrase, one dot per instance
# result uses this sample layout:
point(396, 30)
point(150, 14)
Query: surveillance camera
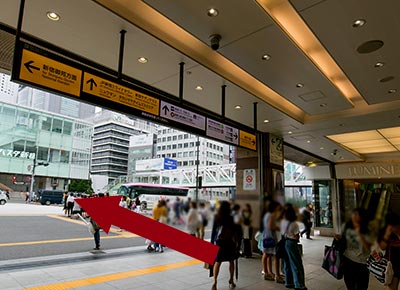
point(334, 152)
point(214, 41)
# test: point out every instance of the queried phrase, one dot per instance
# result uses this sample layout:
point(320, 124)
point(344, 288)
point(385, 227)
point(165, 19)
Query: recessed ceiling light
point(299, 85)
point(308, 141)
point(212, 12)
point(379, 64)
point(290, 132)
point(238, 107)
point(341, 157)
point(266, 121)
point(392, 91)
point(321, 148)
point(359, 23)
point(199, 88)
point(142, 59)
point(323, 105)
point(53, 16)
point(266, 57)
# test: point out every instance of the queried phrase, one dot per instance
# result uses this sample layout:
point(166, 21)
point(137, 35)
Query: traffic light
point(14, 179)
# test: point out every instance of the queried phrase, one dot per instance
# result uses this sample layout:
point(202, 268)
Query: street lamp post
point(197, 169)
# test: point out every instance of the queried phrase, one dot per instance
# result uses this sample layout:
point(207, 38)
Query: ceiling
point(318, 81)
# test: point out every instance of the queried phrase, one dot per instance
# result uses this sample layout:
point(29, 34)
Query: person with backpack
point(224, 234)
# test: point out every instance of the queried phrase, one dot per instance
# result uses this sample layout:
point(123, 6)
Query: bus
point(149, 194)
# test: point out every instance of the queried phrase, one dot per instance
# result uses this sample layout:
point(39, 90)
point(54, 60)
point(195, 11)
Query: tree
point(84, 186)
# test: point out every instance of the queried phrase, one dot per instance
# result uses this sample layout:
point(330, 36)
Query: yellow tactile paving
point(114, 277)
point(55, 241)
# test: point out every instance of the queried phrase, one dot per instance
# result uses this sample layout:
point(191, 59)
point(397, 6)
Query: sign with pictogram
point(183, 116)
point(247, 140)
point(49, 73)
point(114, 92)
point(249, 179)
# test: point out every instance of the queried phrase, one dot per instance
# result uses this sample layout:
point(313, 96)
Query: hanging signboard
point(45, 69)
point(114, 92)
point(222, 132)
point(182, 116)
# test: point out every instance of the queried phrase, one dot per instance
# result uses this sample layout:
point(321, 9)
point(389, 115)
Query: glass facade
point(27, 135)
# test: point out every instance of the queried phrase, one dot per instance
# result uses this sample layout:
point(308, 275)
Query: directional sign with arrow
point(91, 83)
point(30, 67)
point(49, 73)
point(106, 212)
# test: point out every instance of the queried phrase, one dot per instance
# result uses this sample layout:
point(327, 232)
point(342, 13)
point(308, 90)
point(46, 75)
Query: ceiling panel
point(342, 40)
point(91, 31)
point(231, 22)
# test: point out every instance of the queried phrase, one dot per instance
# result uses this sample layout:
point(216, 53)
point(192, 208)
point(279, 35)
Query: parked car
point(3, 198)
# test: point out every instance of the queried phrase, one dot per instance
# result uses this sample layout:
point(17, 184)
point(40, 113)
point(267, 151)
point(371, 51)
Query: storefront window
point(299, 196)
point(323, 204)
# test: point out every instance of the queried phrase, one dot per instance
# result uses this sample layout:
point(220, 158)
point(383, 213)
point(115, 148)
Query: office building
point(30, 137)
point(112, 132)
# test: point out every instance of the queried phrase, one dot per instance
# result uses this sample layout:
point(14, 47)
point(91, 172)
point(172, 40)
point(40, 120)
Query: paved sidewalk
point(133, 268)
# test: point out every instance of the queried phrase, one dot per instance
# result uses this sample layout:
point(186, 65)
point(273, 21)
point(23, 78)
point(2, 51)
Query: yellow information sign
point(49, 73)
point(247, 140)
point(106, 89)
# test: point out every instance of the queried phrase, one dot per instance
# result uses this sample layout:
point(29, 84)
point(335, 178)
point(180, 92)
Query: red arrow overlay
point(106, 212)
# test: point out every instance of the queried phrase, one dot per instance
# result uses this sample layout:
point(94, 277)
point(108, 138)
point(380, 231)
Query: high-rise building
point(8, 89)
point(183, 147)
point(49, 102)
point(112, 132)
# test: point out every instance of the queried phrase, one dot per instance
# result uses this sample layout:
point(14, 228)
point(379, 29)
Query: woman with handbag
point(294, 270)
point(389, 240)
point(224, 234)
point(358, 241)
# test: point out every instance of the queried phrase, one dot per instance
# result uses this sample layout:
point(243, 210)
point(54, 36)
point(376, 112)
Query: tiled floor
point(138, 270)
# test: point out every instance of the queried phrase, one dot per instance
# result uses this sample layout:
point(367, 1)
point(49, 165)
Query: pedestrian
point(358, 240)
point(294, 269)
point(224, 234)
point(389, 241)
point(76, 209)
point(8, 194)
point(307, 221)
point(203, 212)
point(96, 228)
point(193, 220)
point(27, 197)
point(247, 230)
point(177, 208)
point(96, 234)
point(160, 214)
point(70, 203)
point(137, 204)
point(271, 232)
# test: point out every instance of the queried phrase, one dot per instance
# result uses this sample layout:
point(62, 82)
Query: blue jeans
point(97, 238)
point(294, 270)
